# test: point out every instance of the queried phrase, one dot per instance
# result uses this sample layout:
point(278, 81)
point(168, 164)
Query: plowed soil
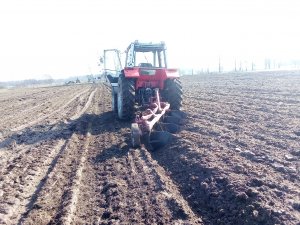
point(66, 159)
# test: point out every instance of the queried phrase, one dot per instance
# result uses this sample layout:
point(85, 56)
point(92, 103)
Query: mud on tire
point(173, 93)
point(126, 98)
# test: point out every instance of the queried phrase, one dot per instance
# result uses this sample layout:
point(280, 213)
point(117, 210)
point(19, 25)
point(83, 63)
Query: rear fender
point(172, 73)
point(131, 72)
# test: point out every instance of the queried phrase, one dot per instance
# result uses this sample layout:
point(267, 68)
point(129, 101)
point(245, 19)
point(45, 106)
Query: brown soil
point(65, 159)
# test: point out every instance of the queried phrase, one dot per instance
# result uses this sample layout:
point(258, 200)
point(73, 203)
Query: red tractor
point(145, 89)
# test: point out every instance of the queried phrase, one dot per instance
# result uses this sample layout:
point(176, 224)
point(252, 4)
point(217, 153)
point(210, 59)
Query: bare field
point(65, 159)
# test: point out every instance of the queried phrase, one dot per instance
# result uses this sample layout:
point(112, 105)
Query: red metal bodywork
point(154, 80)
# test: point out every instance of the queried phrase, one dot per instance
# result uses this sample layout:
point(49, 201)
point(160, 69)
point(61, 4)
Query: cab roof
point(148, 47)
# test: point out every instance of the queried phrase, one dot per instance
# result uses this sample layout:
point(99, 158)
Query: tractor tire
point(173, 93)
point(114, 102)
point(126, 98)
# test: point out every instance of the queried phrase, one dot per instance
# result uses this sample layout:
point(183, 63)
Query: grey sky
point(66, 37)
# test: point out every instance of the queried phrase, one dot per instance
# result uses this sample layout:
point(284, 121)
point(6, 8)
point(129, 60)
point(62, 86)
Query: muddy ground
point(65, 159)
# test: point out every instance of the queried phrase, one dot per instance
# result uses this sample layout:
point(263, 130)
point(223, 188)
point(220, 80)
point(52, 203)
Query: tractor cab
point(146, 55)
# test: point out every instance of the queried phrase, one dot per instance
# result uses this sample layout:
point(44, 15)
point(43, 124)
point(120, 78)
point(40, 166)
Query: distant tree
point(279, 65)
point(48, 81)
point(246, 65)
point(235, 65)
point(267, 64)
point(252, 66)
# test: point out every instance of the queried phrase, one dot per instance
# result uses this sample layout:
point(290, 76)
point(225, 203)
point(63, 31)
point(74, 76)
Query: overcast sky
point(64, 38)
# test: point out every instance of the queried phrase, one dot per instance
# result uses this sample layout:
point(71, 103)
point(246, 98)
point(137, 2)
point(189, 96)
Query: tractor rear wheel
point(114, 102)
point(173, 93)
point(126, 98)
